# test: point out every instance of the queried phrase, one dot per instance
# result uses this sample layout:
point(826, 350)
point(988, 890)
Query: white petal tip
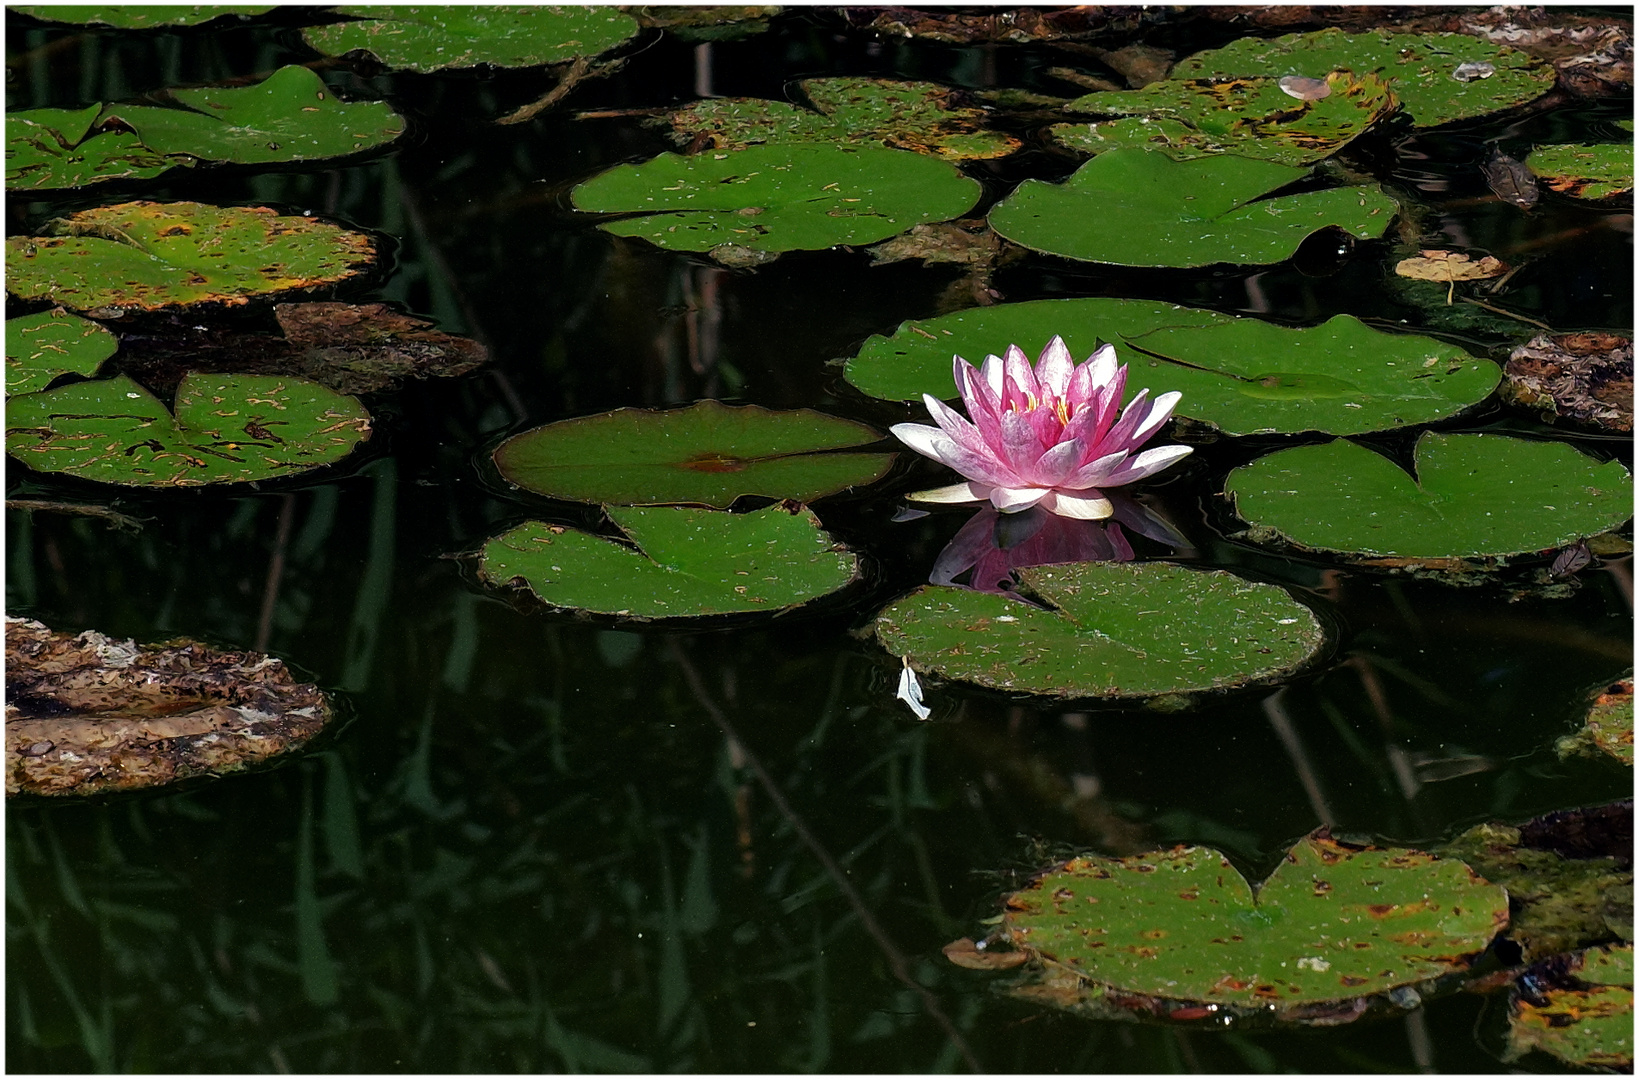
point(964, 492)
point(910, 691)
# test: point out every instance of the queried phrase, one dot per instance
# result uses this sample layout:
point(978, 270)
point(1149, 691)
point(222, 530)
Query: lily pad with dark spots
point(54, 148)
point(1608, 729)
point(707, 454)
point(226, 429)
point(41, 347)
point(437, 38)
point(1578, 1009)
point(1602, 171)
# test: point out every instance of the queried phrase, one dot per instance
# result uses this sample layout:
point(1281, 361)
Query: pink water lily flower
point(1046, 436)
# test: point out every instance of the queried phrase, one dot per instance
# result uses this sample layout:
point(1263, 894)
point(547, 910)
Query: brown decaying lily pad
point(1586, 378)
point(1020, 25)
point(86, 714)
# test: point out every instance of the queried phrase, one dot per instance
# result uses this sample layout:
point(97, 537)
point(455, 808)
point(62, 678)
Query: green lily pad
point(708, 454)
point(1114, 630)
point(41, 347)
point(687, 562)
point(226, 429)
point(1333, 922)
point(1586, 1022)
point(1241, 375)
point(48, 148)
point(1608, 729)
point(289, 116)
point(1473, 496)
point(1252, 118)
point(443, 37)
point(138, 16)
point(1136, 207)
point(1421, 69)
point(777, 197)
point(1601, 171)
point(147, 255)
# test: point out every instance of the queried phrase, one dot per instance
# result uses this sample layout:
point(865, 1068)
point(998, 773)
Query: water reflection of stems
point(897, 963)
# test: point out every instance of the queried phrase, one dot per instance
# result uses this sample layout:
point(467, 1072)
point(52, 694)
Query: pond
point(554, 826)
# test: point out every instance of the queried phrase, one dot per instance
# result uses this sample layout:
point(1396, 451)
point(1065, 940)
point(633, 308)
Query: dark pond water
point(530, 847)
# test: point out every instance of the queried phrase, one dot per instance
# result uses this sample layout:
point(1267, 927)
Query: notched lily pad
point(1598, 172)
point(1585, 378)
point(1114, 630)
point(53, 148)
point(226, 429)
point(1253, 118)
point(1139, 207)
point(778, 197)
point(1577, 1008)
point(685, 562)
point(1473, 496)
point(1180, 934)
point(41, 347)
point(438, 38)
point(145, 256)
point(86, 714)
point(1608, 730)
point(707, 454)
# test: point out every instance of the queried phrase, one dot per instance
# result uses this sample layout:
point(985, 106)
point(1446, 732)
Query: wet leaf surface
point(139, 16)
point(86, 714)
point(778, 198)
point(1608, 730)
point(49, 148)
point(41, 347)
point(1114, 630)
point(1597, 172)
point(1585, 378)
point(686, 563)
point(1579, 1010)
point(436, 38)
point(226, 429)
point(148, 255)
point(1137, 207)
point(707, 454)
point(1473, 496)
point(1333, 923)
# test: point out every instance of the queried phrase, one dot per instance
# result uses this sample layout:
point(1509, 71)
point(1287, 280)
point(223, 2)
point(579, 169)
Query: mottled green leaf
point(1601, 171)
point(41, 347)
point(48, 148)
point(1588, 1022)
point(686, 562)
point(439, 37)
point(1608, 729)
point(138, 16)
point(708, 454)
point(1114, 630)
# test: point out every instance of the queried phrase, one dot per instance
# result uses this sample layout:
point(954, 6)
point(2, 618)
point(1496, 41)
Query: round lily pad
point(1239, 374)
point(1254, 118)
point(1472, 496)
point(1114, 630)
point(1332, 922)
point(441, 37)
point(148, 255)
point(1137, 207)
point(1425, 71)
point(139, 16)
point(41, 347)
point(226, 429)
point(1608, 729)
point(48, 148)
point(778, 197)
point(1584, 1020)
point(708, 453)
point(1601, 171)
point(686, 562)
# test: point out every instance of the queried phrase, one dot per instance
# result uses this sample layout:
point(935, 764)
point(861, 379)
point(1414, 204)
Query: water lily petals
point(1012, 500)
point(1085, 505)
point(1054, 369)
point(1093, 473)
point(955, 425)
point(1057, 463)
point(1160, 412)
point(965, 492)
point(1019, 380)
point(1148, 463)
point(1020, 446)
point(1137, 411)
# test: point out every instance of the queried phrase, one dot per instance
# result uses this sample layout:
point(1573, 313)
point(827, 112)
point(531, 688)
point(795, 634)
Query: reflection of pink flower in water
point(1053, 435)
point(997, 545)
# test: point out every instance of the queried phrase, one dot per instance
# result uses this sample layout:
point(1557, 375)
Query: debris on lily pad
point(224, 429)
point(1017, 25)
point(1577, 1008)
point(706, 454)
point(41, 347)
point(1114, 630)
point(1598, 172)
point(1337, 931)
point(442, 37)
point(144, 256)
point(1608, 729)
point(675, 562)
point(87, 714)
point(1509, 180)
point(723, 22)
point(1585, 378)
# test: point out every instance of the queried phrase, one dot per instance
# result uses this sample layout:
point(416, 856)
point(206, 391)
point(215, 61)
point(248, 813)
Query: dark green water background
point(528, 848)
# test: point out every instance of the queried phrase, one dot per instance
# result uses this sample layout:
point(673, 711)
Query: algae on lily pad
point(1333, 922)
point(1253, 118)
point(1114, 630)
point(1243, 376)
point(41, 347)
point(707, 454)
point(685, 562)
point(778, 197)
point(436, 38)
point(1608, 729)
point(1425, 71)
point(1579, 1010)
point(149, 255)
point(1473, 496)
point(1139, 207)
point(50, 148)
point(225, 429)
point(1601, 171)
